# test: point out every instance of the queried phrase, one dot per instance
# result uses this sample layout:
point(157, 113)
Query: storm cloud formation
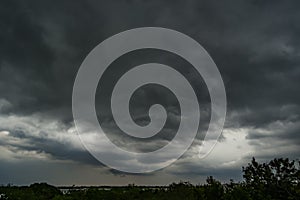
point(42, 44)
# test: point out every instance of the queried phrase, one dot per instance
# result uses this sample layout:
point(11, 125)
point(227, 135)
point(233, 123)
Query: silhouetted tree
point(213, 189)
point(278, 179)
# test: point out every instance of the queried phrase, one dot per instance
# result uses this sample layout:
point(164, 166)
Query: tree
point(181, 190)
point(236, 191)
point(214, 189)
point(278, 179)
point(44, 191)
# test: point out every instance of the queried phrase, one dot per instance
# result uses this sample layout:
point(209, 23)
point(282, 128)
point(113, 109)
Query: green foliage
point(214, 189)
point(278, 179)
point(37, 191)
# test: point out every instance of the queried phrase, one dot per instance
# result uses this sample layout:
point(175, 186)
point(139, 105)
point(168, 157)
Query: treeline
point(278, 179)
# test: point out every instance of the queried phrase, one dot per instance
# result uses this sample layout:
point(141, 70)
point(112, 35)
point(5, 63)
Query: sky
point(255, 45)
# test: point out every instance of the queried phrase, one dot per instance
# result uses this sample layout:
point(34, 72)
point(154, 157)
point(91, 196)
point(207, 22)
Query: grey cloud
point(52, 138)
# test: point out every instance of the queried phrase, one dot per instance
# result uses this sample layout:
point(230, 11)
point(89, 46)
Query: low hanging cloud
point(37, 137)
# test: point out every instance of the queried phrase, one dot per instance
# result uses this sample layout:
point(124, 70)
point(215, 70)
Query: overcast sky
point(255, 45)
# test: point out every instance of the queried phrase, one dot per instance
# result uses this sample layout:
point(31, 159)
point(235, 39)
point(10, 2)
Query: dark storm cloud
point(254, 44)
point(57, 150)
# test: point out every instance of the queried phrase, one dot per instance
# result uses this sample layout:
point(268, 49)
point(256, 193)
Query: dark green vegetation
point(278, 179)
